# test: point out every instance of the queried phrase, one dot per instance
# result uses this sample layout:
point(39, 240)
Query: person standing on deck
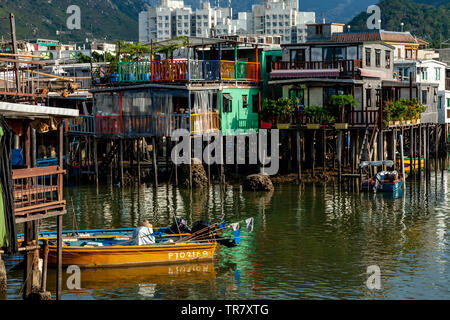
point(143, 234)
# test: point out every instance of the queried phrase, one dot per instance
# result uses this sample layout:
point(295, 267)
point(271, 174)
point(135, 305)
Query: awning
point(304, 73)
point(227, 96)
point(17, 110)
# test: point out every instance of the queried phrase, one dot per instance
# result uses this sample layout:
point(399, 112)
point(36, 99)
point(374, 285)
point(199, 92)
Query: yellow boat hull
point(415, 163)
point(87, 257)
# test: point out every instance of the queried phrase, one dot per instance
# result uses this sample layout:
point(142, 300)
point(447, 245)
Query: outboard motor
point(179, 226)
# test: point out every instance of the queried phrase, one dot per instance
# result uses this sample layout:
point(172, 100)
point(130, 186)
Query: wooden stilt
point(299, 157)
point(155, 163)
point(339, 154)
point(59, 259)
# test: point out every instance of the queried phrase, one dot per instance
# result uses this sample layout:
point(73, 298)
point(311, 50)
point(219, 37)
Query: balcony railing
point(38, 192)
point(199, 70)
point(84, 124)
point(345, 67)
point(108, 125)
point(205, 121)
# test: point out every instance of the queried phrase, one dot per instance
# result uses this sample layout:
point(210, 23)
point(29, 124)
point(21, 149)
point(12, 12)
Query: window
point(378, 58)
point(319, 29)
point(227, 103)
point(424, 96)
point(424, 73)
point(440, 102)
point(268, 64)
point(438, 73)
point(255, 103)
point(368, 98)
point(388, 59)
point(368, 54)
point(244, 101)
point(448, 102)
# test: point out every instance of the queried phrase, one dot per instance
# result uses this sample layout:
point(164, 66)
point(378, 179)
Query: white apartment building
point(273, 18)
point(281, 17)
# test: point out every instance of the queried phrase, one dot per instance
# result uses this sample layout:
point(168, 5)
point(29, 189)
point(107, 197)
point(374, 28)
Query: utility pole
point(14, 49)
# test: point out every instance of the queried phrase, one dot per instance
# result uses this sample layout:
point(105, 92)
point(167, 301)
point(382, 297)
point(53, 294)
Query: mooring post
point(155, 163)
point(339, 154)
point(139, 161)
point(121, 162)
point(95, 161)
point(402, 162)
point(299, 157)
point(324, 149)
point(59, 258)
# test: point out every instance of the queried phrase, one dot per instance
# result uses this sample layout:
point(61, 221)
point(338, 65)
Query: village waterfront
point(310, 241)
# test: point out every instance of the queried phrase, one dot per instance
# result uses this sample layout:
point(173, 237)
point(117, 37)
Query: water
point(309, 242)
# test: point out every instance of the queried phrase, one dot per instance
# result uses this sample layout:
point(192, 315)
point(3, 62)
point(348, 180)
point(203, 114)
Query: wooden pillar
point(96, 161)
point(3, 279)
point(420, 151)
point(411, 150)
point(313, 153)
point(339, 154)
point(59, 226)
point(121, 162)
point(324, 149)
point(155, 161)
point(299, 157)
point(139, 161)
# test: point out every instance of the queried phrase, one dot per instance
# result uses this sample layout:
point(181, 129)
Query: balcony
point(38, 193)
point(84, 124)
point(199, 70)
point(315, 69)
point(158, 124)
point(204, 122)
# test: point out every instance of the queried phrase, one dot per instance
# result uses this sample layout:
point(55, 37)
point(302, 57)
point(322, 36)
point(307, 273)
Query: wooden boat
point(114, 256)
point(415, 162)
point(384, 182)
point(117, 247)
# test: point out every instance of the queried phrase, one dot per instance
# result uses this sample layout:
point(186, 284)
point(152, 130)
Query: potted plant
point(278, 112)
point(341, 101)
point(313, 116)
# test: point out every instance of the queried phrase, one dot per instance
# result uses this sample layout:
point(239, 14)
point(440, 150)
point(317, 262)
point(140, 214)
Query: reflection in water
point(309, 242)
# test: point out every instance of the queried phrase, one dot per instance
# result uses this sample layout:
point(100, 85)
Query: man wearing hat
point(143, 234)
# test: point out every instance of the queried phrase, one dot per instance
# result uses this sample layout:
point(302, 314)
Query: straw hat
point(145, 223)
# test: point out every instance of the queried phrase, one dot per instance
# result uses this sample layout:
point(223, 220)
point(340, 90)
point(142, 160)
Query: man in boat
point(143, 234)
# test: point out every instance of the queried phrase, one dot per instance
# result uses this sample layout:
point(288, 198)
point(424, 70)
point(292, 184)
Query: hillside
point(41, 18)
point(429, 21)
point(118, 19)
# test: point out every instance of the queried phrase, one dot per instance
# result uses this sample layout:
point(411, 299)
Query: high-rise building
point(273, 17)
point(281, 17)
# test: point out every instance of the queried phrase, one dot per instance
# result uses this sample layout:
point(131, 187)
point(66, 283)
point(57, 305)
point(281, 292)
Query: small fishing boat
point(118, 247)
point(416, 162)
point(384, 181)
point(95, 255)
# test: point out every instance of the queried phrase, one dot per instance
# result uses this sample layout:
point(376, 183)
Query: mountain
point(429, 20)
point(99, 18)
point(118, 19)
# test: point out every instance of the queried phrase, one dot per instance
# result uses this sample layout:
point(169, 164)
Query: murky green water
point(309, 242)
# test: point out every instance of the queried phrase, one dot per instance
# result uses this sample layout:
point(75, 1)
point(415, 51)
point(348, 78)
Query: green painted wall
point(239, 117)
